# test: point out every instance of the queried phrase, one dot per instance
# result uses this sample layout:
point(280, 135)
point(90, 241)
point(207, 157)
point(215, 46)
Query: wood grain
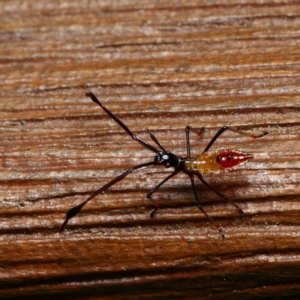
point(157, 65)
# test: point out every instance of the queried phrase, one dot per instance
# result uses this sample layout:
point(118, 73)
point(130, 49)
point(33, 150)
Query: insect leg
point(117, 120)
point(187, 133)
point(157, 186)
point(224, 128)
point(224, 197)
point(218, 226)
point(75, 210)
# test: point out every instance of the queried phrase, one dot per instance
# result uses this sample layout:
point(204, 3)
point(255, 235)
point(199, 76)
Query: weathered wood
point(160, 66)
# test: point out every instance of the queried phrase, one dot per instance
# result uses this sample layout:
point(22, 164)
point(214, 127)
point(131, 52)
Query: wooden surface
point(158, 65)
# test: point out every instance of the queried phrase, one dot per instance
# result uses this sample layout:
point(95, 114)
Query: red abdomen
point(216, 161)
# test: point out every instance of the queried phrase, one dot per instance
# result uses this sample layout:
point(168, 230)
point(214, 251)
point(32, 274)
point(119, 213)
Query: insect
point(206, 162)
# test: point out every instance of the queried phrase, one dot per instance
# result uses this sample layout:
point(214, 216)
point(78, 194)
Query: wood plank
point(162, 66)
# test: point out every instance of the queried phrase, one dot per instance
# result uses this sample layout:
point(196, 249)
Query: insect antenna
point(154, 139)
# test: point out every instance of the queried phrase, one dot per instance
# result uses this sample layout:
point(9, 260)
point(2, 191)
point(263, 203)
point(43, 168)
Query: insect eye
point(165, 157)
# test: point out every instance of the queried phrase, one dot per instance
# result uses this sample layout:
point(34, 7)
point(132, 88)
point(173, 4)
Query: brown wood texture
point(160, 65)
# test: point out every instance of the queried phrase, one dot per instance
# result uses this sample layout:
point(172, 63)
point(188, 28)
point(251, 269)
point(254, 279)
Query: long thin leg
point(188, 145)
point(201, 208)
point(135, 137)
point(159, 185)
point(224, 197)
point(187, 134)
point(188, 150)
point(75, 210)
point(224, 128)
point(162, 182)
